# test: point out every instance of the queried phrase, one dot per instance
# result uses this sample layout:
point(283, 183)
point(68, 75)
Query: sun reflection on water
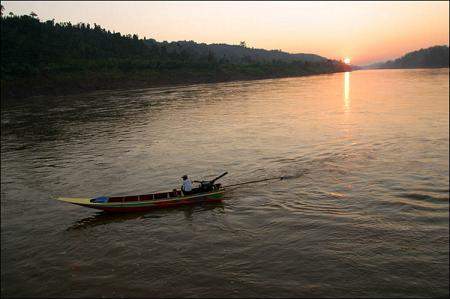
point(347, 91)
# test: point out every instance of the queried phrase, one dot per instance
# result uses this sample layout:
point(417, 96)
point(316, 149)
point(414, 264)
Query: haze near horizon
point(365, 32)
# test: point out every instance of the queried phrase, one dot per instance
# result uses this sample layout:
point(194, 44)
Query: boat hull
point(140, 206)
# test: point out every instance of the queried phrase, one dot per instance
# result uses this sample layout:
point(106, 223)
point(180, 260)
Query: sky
point(365, 32)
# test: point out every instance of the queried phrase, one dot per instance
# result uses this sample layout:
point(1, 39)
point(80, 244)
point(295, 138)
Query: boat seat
point(161, 195)
point(130, 198)
point(115, 199)
point(146, 197)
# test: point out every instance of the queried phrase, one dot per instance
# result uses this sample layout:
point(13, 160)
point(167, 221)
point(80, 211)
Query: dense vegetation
point(236, 53)
point(433, 57)
point(53, 58)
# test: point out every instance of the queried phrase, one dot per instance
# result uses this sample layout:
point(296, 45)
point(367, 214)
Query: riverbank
point(74, 83)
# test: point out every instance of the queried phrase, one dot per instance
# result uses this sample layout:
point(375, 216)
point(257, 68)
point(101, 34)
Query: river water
point(363, 212)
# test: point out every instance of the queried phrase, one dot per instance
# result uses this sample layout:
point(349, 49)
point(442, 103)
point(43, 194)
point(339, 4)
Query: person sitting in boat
point(187, 185)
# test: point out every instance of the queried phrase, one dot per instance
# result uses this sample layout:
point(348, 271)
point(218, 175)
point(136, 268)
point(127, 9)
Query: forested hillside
point(433, 57)
point(234, 53)
point(52, 58)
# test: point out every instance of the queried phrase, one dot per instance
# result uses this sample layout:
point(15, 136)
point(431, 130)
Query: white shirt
point(187, 185)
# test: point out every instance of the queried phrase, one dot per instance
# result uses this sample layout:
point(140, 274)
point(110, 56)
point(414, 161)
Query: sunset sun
point(347, 60)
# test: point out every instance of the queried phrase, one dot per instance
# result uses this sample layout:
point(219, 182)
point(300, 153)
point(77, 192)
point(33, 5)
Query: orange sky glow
point(365, 32)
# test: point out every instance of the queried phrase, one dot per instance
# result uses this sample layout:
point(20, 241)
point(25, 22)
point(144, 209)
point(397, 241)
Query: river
point(364, 210)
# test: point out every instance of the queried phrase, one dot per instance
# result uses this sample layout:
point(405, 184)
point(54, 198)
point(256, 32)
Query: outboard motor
point(206, 186)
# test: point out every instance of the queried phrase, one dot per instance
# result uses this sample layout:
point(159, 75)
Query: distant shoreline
point(49, 58)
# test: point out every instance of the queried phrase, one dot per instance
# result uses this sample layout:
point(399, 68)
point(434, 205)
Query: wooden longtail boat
point(145, 202)
point(207, 192)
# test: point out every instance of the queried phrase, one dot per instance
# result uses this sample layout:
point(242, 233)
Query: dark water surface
point(364, 211)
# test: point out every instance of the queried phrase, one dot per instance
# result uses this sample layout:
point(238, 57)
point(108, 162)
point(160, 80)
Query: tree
point(2, 9)
point(243, 44)
point(33, 14)
point(211, 57)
